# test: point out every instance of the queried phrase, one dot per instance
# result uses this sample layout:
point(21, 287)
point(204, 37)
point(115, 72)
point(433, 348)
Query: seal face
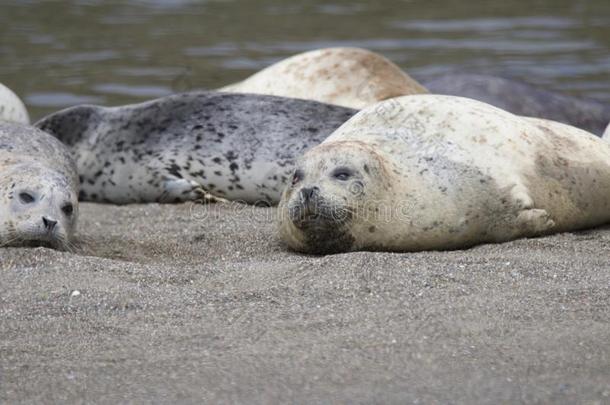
point(440, 172)
point(349, 77)
point(12, 108)
point(329, 199)
point(38, 189)
point(192, 146)
point(524, 99)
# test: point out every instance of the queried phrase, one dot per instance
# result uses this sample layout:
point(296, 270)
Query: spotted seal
point(191, 146)
point(38, 189)
point(11, 107)
point(349, 77)
point(524, 99)
point(432, 172)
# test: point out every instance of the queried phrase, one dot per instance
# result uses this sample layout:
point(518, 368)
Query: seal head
point(38, 189)
point(332, 198)
point(38, 208)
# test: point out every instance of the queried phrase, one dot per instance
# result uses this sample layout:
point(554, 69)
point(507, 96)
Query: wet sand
point(195, 304)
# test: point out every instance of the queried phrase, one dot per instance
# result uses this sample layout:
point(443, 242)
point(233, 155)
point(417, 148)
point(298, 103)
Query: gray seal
point(38, 189)
point(191, 146)
point(524, 99)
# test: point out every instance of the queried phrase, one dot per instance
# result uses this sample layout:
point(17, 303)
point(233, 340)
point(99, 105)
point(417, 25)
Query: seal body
point(440, 172)
point(12, 108)
point(38, 189)
point(192, 146)
point(350, 77)
point(525, 99)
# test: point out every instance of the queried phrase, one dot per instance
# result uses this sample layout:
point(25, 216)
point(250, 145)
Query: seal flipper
point(535, 222)
point(182, 190)
point(531, 221)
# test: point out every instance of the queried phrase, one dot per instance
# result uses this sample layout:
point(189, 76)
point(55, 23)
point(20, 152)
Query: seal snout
point(306, 207)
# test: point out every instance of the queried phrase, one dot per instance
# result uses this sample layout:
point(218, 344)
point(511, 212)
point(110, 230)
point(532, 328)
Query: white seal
point(349, 77)
point(12, 108)
point(441, 172)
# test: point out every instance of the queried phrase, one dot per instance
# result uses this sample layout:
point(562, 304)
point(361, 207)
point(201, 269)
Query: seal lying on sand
point(440, 172)
point(349, 77)
point(11, 107)
point(38, 189)
point(179, 148)
point(525, 99)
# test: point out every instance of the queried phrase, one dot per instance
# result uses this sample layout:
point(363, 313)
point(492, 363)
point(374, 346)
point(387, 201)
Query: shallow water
point(60, 53)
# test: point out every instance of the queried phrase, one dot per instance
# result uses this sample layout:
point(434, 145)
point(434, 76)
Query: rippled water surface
point(60, 53)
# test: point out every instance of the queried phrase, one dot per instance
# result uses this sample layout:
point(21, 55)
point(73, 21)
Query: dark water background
point(59, 53)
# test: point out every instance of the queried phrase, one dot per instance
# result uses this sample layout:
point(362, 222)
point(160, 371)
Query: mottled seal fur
point(349, 77)
point(432, 172)
point(525, 99)
point(12, 108)
point(177, 148)
point(38, 189)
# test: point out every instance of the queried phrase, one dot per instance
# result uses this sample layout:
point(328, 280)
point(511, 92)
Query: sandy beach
point(190, 304)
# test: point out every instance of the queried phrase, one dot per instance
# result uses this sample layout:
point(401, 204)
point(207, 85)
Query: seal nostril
point(308, 192)
point(49, 224)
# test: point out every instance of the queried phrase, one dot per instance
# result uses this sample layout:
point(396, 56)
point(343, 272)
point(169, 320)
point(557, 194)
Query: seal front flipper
point(531, 221)
point(534, 222)
point(182, 190)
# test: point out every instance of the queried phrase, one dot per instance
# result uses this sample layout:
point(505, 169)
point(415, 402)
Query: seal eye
point(26, 198)
point(68, 209)
point(298, 176)
point(342, 173)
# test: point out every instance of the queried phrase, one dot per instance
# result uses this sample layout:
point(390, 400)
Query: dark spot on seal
point(174, 170)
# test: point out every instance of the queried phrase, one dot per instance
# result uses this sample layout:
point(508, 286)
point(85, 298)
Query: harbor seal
point(12, 108)
point(38, 189)
point(192, 146)
point(349, 77)
point(524, 99)
point(432, 172)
